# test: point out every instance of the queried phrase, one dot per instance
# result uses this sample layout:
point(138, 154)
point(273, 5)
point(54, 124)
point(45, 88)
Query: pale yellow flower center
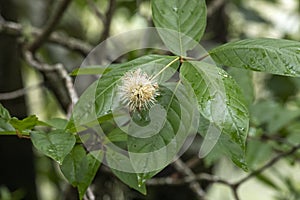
point(138, 91)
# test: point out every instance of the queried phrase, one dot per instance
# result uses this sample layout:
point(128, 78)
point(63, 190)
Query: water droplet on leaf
point(141, 180)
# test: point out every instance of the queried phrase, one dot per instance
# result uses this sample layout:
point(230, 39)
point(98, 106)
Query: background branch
point(104, 18)
point(97, 12)
point(16, 29)
point(53, 21)
point(54, 74)
point(107, 22)
point(191, 177)
point(194, 185)
point(19, 92)
point(269, 164)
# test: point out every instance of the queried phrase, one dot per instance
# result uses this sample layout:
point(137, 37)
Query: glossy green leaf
point(180, 23)
point(107, 86)
point(216, 144)
point(6, 128)
point(7, 123)
point(4, 114)
point(244, 79)
point(156, 142)
point(115, 160)
point(130, 179)
point(97, 100)
point(117, 135)
point(57, 123)
point(80, 168)
point(216, 153)
point(171, 121)
point(27, 123)
point(56, 144)
point(95, 70)
point(266, 55)
point(222, 103)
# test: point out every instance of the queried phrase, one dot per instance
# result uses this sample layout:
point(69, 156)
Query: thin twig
point(97, 12)
point(211, 178)
point(59, 68)
point(53, 21)
point(36, 64)
point(269, 164)
point(194, 185)
point(15, 29)
point(71, 43)
point(10, 28)
point(190, 178)
point(235, 193)
point(187, 180)
point(109, 15)
point(18, 93)
point(89, 195)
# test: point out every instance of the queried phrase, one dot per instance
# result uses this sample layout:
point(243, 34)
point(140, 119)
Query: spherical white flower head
point(138, 91)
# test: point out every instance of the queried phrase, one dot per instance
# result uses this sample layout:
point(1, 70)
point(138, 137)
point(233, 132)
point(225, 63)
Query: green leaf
point(130, 179)
point(215, 153)
point(155, 145)
point(180, 23)
point(108, 83)
point(117, 135)
point(222, 103)
point(244, 80)
point(57, 123)
point(80, 168)
point(266, 55)
point(89, 70)
point(27, 123)
point(97, 100)
point(114, 160)
point(4, 114)
point(6, 128)
point(56, 144)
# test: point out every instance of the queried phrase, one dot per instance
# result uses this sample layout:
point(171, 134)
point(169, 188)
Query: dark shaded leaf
point(56, 144)
point(80, 168)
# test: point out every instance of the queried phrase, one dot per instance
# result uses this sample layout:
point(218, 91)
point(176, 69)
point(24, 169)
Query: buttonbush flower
point(138, 90)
